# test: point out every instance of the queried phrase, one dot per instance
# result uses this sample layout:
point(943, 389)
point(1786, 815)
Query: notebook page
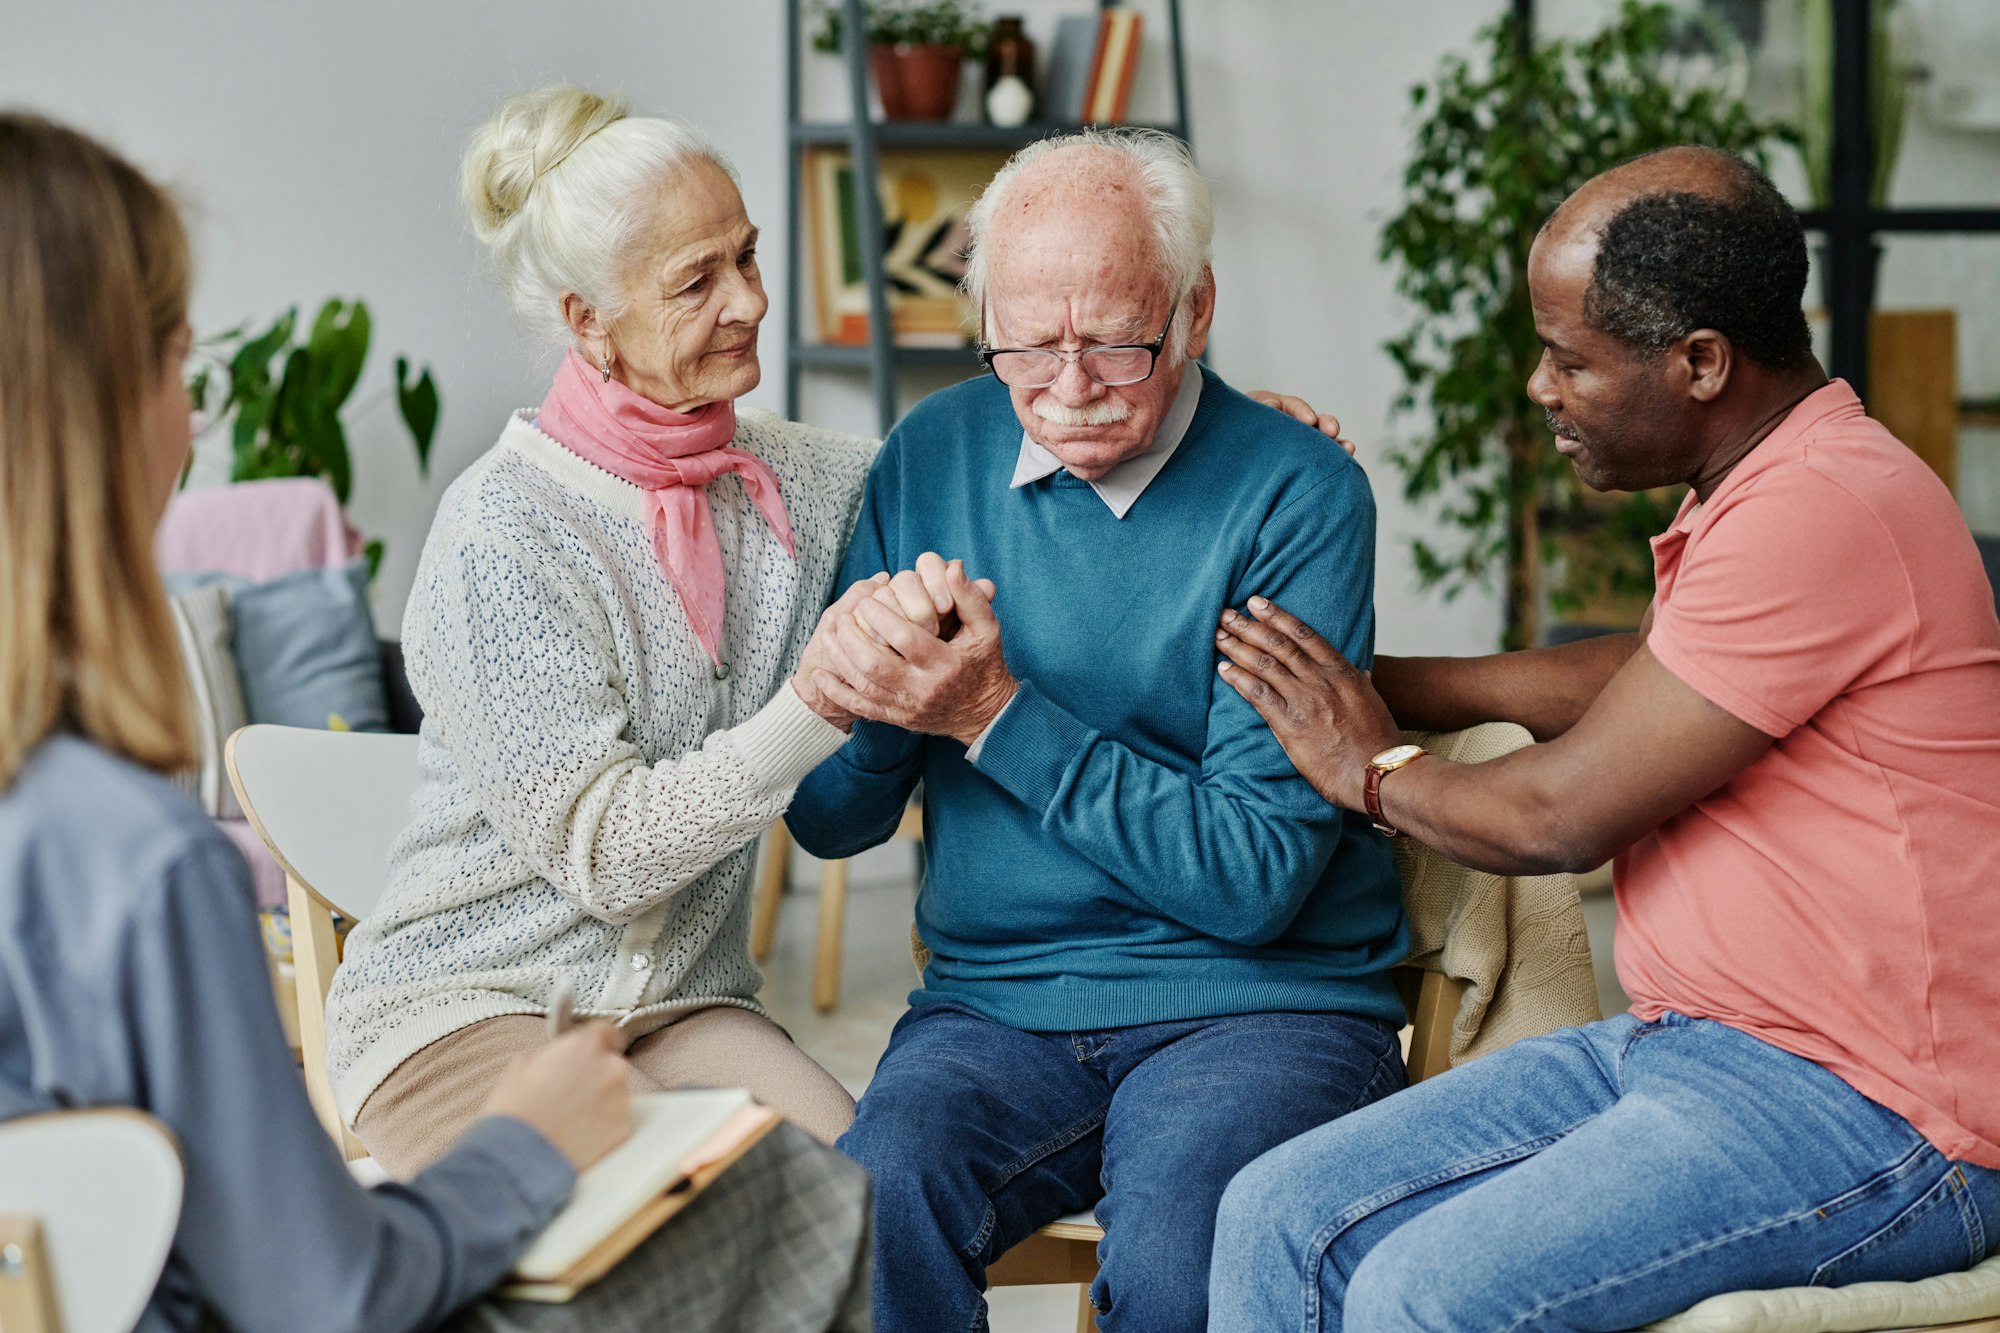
point(667, 1129)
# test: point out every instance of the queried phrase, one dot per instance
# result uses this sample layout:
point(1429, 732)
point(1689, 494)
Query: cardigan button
point(641, 961)
point(722, 671)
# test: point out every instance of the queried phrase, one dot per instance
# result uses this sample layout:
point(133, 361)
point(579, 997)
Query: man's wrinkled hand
point(922, 595)
point(887, 669)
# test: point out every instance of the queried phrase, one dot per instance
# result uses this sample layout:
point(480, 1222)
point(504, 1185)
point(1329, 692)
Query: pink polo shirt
point(1839, 898)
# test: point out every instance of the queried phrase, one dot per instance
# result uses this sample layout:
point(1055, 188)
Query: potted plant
point(287, 424)
point(1501, 142)
point(917, 51)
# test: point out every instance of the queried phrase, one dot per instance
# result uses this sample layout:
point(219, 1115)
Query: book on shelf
point(1116, 59)
point(1070, 63)
point(680, 1143)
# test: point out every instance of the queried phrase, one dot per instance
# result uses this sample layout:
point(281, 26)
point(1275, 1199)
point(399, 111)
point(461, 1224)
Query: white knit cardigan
point(592, 785)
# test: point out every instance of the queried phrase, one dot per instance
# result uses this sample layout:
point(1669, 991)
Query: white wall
point(320, 145)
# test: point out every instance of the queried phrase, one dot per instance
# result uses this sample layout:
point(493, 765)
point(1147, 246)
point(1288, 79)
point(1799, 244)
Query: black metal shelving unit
point(880, 358)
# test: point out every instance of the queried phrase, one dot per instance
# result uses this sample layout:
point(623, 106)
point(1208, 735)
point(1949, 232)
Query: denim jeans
point(1598, 1178)
point(977, 1133)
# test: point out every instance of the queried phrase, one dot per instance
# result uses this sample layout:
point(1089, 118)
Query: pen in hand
point(562, 1008)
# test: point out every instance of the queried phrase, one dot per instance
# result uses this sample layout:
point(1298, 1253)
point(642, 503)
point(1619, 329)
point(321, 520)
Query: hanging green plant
point(283, 397)
point(1500, 143)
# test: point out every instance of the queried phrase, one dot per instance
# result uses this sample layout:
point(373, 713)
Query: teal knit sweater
point(1133, 845)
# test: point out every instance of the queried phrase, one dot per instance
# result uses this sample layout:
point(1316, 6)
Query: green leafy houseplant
point(910, 23)
point(1500, 143)
point(283, 397)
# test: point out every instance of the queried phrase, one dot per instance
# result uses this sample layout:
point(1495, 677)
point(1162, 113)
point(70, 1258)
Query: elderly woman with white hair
point(602, 631)
point(606, 634)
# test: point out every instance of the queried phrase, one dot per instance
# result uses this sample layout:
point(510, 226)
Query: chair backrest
point(328, 804)
point(89, 1201)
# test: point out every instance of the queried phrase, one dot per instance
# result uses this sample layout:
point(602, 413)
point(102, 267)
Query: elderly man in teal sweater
point(1155, 951)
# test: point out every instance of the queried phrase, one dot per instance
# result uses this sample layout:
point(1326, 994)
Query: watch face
point(1399, 754)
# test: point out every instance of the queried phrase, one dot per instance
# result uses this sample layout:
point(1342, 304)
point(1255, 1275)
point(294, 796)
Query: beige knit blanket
point(1517, 944)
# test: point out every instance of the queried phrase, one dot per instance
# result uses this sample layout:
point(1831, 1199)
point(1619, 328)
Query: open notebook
point(681, 1141)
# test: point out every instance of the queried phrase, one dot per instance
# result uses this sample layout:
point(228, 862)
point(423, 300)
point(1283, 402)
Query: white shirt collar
point(1121, 487)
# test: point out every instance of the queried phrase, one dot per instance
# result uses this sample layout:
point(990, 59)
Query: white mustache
point(1103, 412)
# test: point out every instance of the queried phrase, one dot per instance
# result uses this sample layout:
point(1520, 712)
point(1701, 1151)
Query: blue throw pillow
point(305, 647)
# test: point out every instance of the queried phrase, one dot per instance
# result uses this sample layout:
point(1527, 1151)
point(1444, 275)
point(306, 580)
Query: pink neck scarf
point(670, 456)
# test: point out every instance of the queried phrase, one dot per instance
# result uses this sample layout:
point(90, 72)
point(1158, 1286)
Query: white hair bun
point(563, 188)
point(531, 135)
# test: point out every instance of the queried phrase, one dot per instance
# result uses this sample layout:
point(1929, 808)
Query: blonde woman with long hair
point(130, 969)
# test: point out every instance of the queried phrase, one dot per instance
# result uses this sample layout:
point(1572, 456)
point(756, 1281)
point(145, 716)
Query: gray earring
point(607, 369)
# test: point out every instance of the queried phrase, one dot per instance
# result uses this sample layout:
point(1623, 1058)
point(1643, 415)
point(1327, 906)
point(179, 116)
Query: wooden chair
point(773, 873)
point(89, 1202)
point(327, 804)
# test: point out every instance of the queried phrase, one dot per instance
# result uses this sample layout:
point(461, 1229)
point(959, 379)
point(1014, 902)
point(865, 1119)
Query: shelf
point(862, 137)
point(944, 133)
point(830, 356)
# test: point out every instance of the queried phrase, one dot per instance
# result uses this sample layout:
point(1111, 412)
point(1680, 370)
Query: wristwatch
point(1391, 759)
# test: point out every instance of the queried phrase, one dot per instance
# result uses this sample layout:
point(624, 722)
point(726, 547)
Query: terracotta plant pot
point(917, 82)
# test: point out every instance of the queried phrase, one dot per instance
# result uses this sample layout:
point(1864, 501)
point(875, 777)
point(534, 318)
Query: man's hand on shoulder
point(1326, 423)
point(1322, 709)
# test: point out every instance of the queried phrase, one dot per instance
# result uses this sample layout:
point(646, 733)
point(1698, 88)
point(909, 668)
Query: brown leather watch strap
point(1371, 797)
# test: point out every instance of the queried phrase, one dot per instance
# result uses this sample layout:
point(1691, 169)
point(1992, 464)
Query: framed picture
point(925, 195)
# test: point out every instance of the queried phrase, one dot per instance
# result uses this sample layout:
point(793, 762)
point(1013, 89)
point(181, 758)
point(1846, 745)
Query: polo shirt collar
point(1834, 398)
point(1121, 487)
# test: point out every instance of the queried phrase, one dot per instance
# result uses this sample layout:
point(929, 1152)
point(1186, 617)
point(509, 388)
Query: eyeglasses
point(1109, 364)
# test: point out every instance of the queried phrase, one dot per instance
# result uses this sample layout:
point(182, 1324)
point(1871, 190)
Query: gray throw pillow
point(305, 647)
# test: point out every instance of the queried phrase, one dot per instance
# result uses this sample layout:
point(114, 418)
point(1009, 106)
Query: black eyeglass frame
point(1152, 350)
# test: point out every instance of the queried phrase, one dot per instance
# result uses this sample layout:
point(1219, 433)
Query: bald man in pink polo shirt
point(1795, 762)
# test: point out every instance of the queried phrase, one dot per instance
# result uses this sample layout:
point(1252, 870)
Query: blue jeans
point(1601, 1177)
point(977, 1133)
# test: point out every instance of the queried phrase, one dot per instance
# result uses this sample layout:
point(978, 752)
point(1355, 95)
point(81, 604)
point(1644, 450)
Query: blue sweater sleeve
point(1233, 851)
point(854, 800)
point(211, 1063)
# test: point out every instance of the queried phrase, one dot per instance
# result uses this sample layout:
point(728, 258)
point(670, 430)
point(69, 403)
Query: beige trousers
point(420, 1109)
